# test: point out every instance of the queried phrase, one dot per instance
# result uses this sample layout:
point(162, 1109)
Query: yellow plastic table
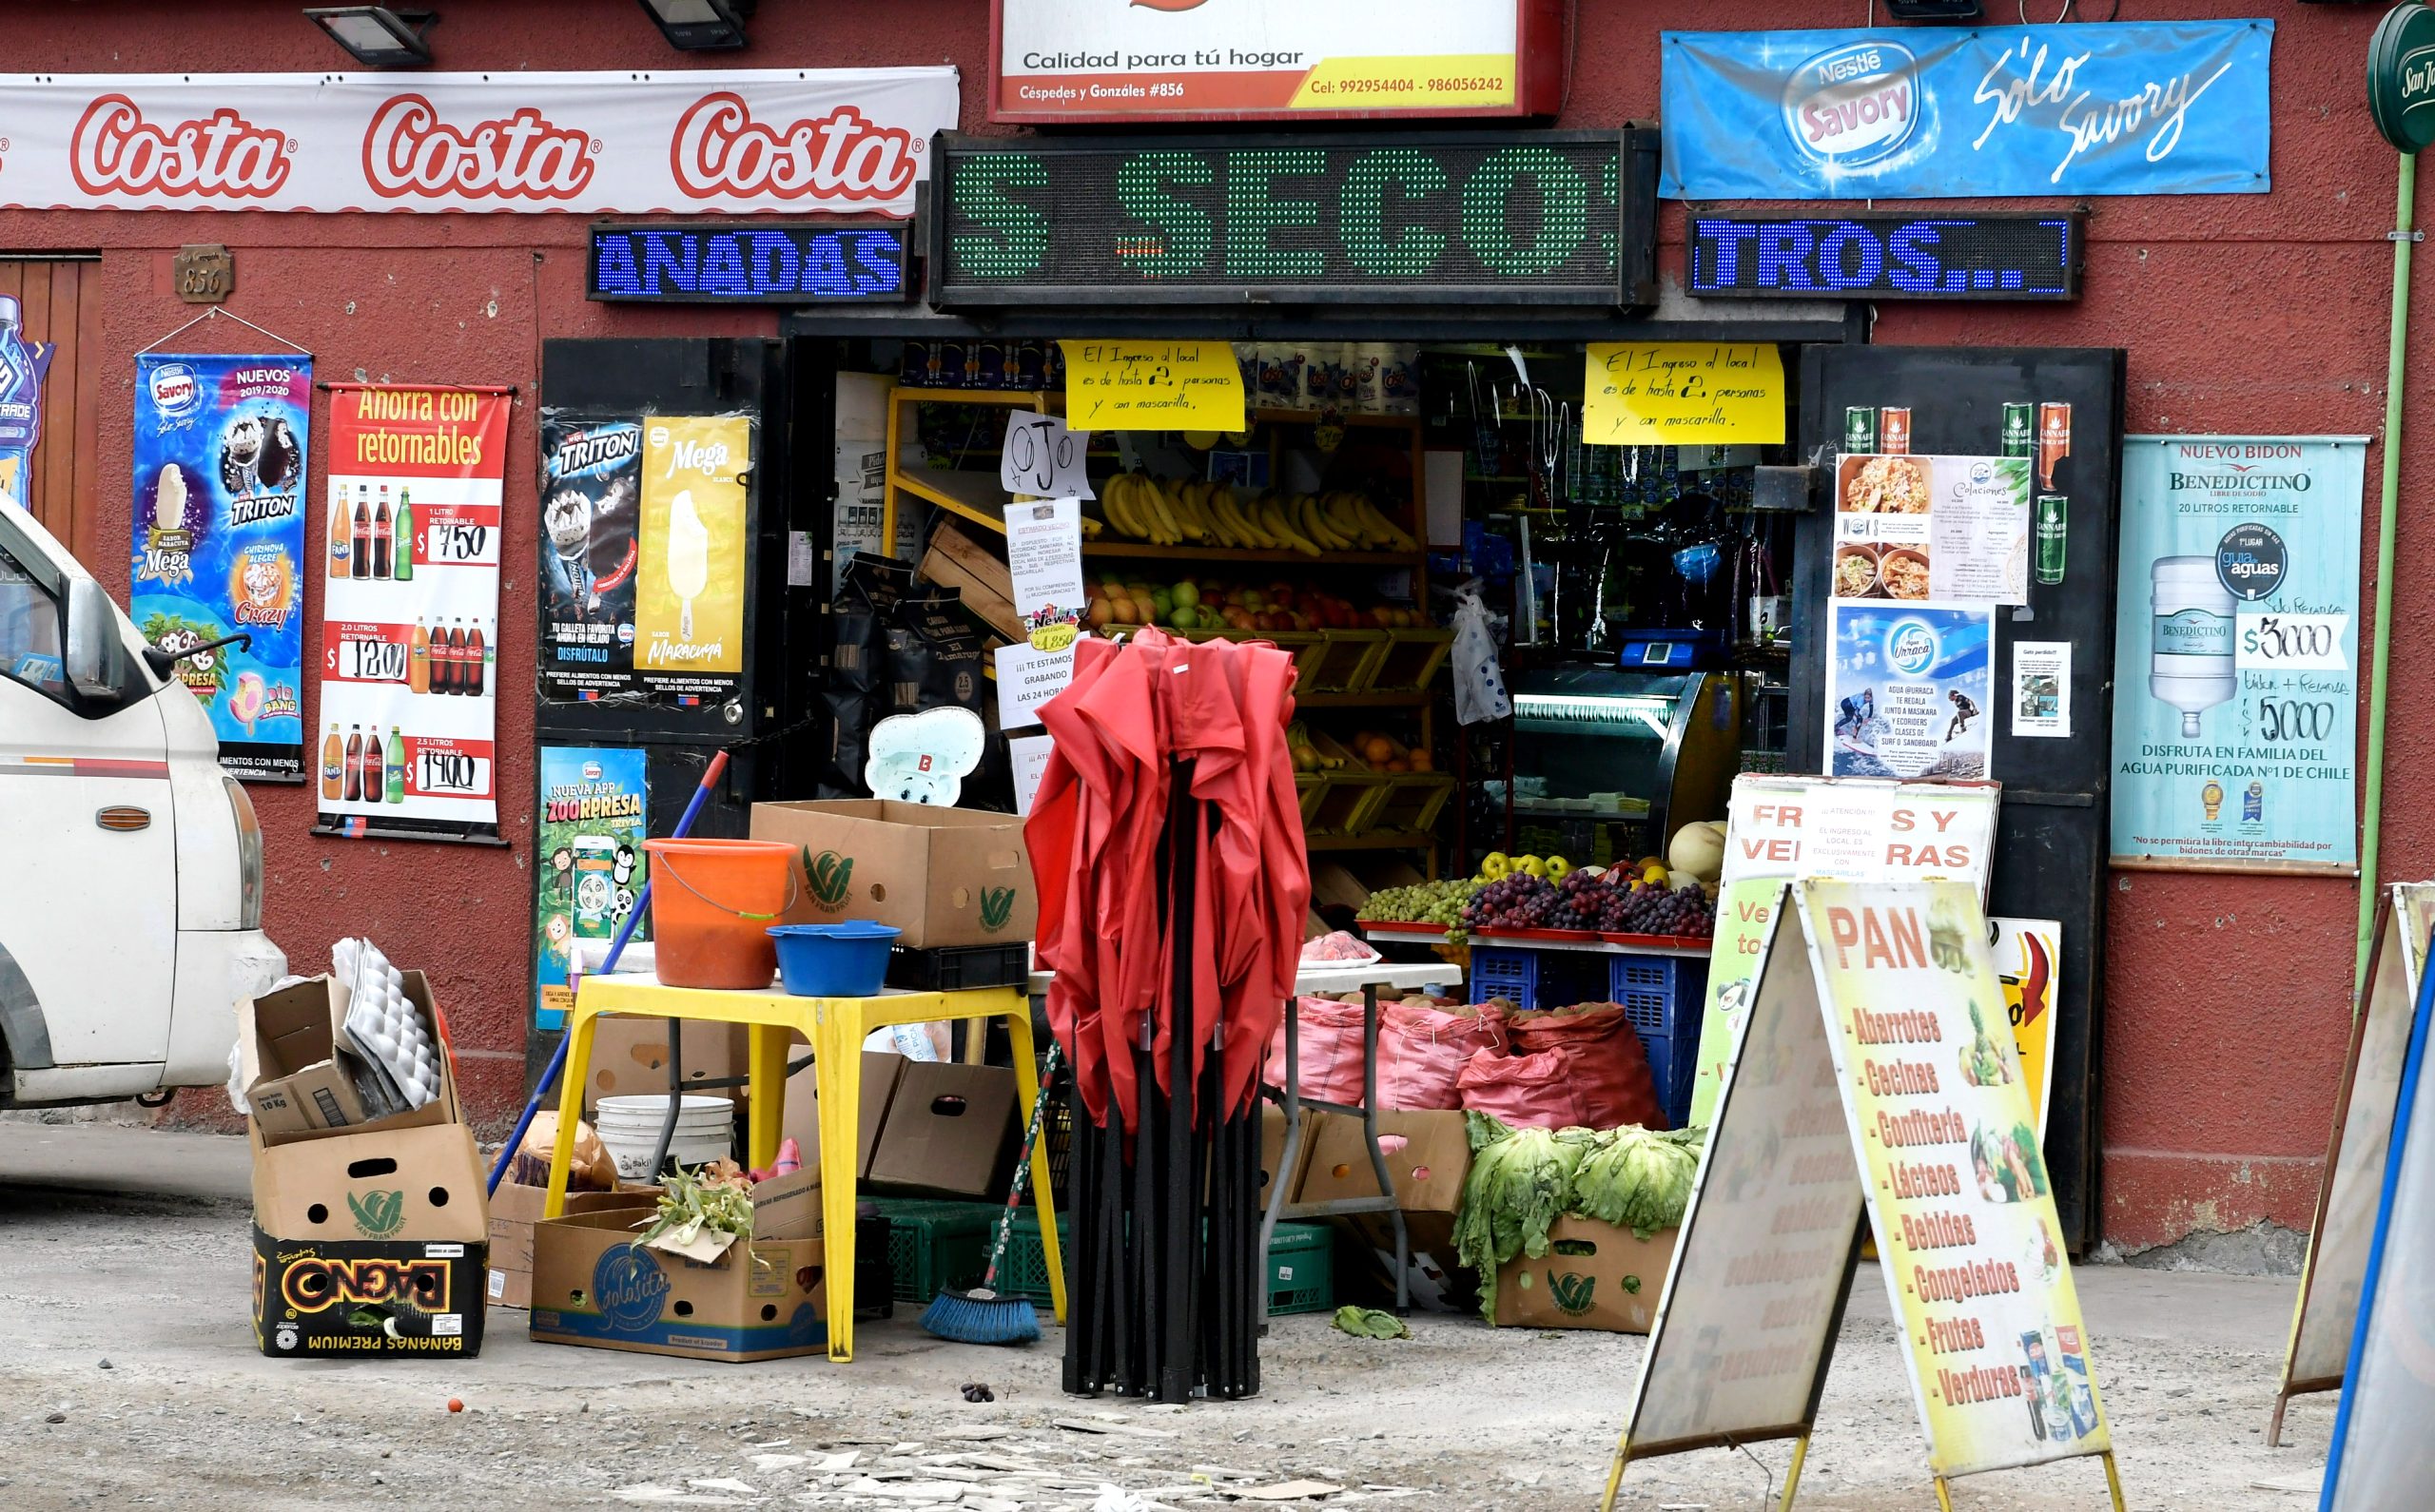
point(835, 1028)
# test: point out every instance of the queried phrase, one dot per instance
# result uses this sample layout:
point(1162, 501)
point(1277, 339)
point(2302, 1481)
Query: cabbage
point(1521, 1182)
point(1638, 1180)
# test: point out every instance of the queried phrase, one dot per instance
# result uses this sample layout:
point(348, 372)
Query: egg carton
point(386, 1031)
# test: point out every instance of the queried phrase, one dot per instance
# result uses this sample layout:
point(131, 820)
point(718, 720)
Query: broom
point(981, 1316)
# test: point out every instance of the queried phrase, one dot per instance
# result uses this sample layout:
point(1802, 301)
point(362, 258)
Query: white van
point(130, 865)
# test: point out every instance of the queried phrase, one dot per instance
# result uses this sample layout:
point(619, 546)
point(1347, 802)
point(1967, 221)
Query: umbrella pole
point(1179, 1234)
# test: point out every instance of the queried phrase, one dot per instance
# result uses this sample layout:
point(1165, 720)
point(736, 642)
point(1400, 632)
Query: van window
point(34, 629)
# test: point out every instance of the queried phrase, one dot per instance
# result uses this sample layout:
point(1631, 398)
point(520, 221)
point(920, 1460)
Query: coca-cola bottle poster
point(409, 539)
point(219, 542)
point(591, 504)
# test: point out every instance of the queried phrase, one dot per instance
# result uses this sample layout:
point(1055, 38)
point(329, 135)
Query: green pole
point(2396, 359)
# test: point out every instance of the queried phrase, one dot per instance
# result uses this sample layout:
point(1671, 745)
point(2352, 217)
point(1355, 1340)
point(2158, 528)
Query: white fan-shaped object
point(385, 1029)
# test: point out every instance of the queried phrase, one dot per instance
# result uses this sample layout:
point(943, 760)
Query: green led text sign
point(1525, 218)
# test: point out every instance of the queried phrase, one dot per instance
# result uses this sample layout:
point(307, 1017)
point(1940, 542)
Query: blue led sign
point(704, 265)
point(1887, 257)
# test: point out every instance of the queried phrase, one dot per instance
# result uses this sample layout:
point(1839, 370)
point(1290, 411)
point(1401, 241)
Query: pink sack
point(1608, 1064)
point(1329, 1060)
point(1422, 1050)
point(1528, 1091)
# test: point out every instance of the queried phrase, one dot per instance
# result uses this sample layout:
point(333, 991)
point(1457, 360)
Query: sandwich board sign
point(1872, 1080)
point(2336, 1268)
point(2377, 1458)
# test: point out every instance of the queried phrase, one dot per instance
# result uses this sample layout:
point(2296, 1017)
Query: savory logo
point(113, 147)
point(408, 151)
point(1854, 104)
point(719, 150)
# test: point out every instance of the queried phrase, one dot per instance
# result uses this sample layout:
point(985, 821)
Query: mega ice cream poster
point(218, 541)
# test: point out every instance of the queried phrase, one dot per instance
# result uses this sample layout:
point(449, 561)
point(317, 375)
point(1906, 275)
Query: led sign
point(708, 264)
point(1887, 257)
point(1510, 217)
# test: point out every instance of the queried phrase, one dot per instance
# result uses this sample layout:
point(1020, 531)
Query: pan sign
point(2401, 77)
point(704, 265)
point(1886, 257)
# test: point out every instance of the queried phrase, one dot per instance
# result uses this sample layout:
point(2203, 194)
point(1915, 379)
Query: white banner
point(841, 139)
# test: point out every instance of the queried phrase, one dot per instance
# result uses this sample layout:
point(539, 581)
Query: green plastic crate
point(1301, 1260)
point(934, 1244)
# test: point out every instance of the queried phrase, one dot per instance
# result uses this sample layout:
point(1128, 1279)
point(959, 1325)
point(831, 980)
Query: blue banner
point(2236, 652)
point(2126, 107)
point(219, 545)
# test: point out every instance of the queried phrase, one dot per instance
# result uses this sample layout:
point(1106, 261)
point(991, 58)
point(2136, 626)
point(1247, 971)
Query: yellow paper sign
point(688, 603)
point(1151, 386)
point(1673, 392)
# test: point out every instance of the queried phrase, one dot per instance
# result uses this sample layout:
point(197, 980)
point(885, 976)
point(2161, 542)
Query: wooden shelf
point(1022, 398)
point(1230, 553)
point(1409, 698)
point(1401, 422)
point(1374, 839)
point(975, 497)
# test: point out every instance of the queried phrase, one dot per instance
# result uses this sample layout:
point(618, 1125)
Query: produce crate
point(1354, 794)
point(1350, 662)
point(1309, 788)
point(1301, 1263)
point(934, 1244)
point(959, 968)
point(874, 1281)
point(1532, 979)
point(1413, 800)
point(1663, 997)
point(1413, 659)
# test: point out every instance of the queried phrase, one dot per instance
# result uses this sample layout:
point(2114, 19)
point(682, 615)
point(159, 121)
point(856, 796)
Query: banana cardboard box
point(943, 876)
point(1594, 1275)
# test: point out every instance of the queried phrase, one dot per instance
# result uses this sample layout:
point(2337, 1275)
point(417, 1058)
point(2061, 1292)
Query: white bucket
point(630, 1129)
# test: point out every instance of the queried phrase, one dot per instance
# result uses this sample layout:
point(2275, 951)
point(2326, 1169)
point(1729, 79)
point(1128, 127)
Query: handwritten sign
point(1153, 386)
point(1043, 458)
point(1045, 566)
point(1667, 393)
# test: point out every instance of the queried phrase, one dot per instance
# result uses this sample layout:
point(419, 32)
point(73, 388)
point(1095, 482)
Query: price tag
point(1043, 458)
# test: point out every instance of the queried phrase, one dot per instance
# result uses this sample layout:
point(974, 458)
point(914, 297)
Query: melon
point(1697, 850)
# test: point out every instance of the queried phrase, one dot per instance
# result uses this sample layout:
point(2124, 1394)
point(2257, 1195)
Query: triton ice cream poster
point(218, 541)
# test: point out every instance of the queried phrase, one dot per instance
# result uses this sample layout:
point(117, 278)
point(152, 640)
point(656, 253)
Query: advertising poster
point(410, 612)
point(1953, 529)
point(2236, 653)
point(688, 594)
point(24, 365)
point(2041, 690)
point(596, 803)
point(2029, 966)
point(590, 513)
point(1983, 111)
point(1909, 690)
point(219, 547)
point(1960, 1198)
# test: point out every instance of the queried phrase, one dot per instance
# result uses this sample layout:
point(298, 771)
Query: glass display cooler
point(1613, 763)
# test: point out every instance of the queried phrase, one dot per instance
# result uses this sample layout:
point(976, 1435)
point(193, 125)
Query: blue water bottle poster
point(2236, 653)
point(218, 546)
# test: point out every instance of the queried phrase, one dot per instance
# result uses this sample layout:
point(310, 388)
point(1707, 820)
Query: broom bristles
point(980, 1316)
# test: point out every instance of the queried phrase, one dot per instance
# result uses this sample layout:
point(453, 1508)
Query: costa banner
point(410, 613)
point(2122, 107)
point(592, 143)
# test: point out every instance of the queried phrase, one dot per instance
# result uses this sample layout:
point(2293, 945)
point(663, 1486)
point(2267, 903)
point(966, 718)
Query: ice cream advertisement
point(688, 596)
point(2236, 653)
point(590, 554)
point(218, 541)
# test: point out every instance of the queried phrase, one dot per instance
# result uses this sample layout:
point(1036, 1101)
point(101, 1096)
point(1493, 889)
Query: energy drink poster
point(24, 365)
point(594, 804)
point(689, 609)
point(219, 542)
point(2236, 653)
point(410, 612)
point(1909, 690)
point(591, 551)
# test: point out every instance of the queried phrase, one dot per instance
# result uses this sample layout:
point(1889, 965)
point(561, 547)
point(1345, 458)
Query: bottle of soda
point(354, 790)
point(473, 661)
point(333, 772)
point(381, 535)
point(396, 764)
point(418, 660)
point(340, 534)
point(402, 555)
point(372, 764)
point(460, 674)
point(359, 562)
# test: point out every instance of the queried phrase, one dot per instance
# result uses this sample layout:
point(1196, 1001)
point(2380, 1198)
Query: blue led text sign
point(1886, 257)
point(749, 265)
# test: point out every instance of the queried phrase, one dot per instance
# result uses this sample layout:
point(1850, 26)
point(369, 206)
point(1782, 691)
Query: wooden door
point(64, 487)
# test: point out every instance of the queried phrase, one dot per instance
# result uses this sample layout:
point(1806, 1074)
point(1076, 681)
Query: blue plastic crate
point(1663, 997)
point(1674, 1064)
point(1530, 977)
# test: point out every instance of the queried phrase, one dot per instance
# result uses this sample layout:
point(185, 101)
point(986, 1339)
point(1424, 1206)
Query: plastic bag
point(1328, 1061)
point(1479, 682)
point(592, 1170)
point(1607, 1063)
point(1422, 1050)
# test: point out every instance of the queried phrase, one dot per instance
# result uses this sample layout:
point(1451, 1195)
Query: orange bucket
point(711, 904)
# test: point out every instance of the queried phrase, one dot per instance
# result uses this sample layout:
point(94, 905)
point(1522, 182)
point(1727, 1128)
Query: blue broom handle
point(549, 1073)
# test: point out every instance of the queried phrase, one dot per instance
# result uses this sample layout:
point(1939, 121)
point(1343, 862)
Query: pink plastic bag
point(1605, 1060)
point(1329, 1061)
point(1422, 1050)
point(1528, 1091)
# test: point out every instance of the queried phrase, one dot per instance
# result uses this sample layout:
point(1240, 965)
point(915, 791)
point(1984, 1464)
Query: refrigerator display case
point(1617, 761)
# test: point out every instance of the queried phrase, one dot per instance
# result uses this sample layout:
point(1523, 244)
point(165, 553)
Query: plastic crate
point(1663, 997)
point(1531, 978)
point(1301, 1263)
point(874, 1274)
point(959, 968)
point(932, 1245)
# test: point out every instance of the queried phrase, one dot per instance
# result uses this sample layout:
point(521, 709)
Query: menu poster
point(219, 542)
point(410, 628)
point(1917, 528)
point(596, 803)
point(590, 511)
point(1909, 690)
point(688, 612)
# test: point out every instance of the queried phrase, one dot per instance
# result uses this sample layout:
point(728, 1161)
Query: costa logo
point(223, 154)
point(719, 150)
point(1854, 104)
point(410, 153)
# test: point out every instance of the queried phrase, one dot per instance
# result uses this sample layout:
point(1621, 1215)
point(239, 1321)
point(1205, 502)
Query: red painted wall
point(2227, 999)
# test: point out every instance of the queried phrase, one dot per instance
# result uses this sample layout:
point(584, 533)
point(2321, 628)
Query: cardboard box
point(1271, 1150)
point(1594, 1275)
point(370, 1243)
point(630, 1058)
point(516, 1207)
point(288, 1056)
point(1435, 1281)
point(943, 876)
point(950, 1129)
point(1428, 1157)
point(764, 1299)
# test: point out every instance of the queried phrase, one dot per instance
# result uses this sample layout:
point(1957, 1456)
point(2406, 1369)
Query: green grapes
point(1438, 903)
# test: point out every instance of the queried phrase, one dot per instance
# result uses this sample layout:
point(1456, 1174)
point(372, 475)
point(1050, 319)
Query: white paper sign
point(1043, 458)
point(1029, 754)
point(1044, 561)
point(2042, 689)
point(1028, 677)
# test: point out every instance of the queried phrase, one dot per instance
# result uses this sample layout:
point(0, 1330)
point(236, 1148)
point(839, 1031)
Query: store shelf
point(1024, 398)
point(1374, 839)
point(1401, 422)
point(1409, 698)
point(976, 497)
point(1230, 553)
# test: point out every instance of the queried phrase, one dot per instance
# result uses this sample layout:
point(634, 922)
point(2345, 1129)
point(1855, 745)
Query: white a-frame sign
point(1875, 1072)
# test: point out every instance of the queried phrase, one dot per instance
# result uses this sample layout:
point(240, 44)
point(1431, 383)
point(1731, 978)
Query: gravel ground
point(128, 1377)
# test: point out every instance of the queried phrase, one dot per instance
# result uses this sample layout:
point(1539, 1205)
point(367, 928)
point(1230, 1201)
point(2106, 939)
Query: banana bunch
point(1136, 506)
point(1307, 756)
point(1163, 513)
point(1354, 518)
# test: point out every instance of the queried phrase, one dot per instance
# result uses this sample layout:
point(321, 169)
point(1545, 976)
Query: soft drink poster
point(218, 541)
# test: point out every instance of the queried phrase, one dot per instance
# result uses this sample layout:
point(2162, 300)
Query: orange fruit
point(1377, 750)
